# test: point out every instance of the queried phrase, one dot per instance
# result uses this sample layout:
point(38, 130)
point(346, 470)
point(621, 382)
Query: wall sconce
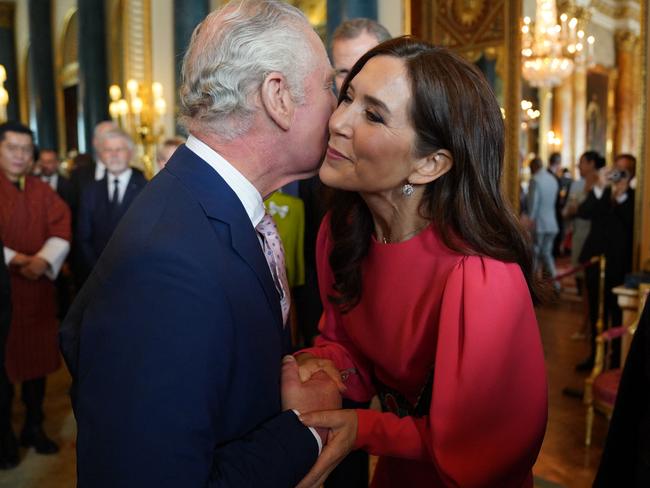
point(4, 95)
point(139, 113)
point(554, 142)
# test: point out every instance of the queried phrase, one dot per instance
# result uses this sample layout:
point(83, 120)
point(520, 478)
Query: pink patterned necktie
point(274, 254)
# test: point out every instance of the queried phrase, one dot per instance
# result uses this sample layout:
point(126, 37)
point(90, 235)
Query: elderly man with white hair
point(176, 342)
point(104, 202)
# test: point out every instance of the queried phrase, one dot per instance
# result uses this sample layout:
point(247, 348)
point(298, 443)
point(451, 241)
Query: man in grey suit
point(542, 195)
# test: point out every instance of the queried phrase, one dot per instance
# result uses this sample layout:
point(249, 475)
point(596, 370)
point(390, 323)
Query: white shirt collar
point(51, 180)
point(244, 189)
point(100, 170)
point(123, 180)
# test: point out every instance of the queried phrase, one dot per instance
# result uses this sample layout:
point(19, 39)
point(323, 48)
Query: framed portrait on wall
point(599, 121)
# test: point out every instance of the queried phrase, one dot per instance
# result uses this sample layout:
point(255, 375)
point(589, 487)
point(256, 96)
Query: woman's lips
point(334, 154)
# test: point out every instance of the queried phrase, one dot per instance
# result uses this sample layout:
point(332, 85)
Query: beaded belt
point(395, 402)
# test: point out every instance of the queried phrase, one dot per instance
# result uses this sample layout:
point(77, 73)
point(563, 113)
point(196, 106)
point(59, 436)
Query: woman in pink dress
point(427, 281)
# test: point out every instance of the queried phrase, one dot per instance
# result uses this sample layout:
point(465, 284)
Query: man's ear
point(276, 99)
point(431, 167)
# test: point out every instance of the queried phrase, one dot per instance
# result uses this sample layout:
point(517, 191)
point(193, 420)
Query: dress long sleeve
point(489, 400)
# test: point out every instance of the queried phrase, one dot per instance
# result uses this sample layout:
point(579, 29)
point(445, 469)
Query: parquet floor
point(564, 460)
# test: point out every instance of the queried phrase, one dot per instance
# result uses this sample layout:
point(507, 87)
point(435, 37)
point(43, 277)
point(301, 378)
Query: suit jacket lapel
point(130, 192)
point(219, 202)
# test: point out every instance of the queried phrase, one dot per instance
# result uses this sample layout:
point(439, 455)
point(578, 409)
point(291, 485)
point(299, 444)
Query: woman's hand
point(309, 365)
point(342, 425)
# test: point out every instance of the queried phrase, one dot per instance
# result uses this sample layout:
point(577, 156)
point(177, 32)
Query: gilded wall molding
point(642, 195)
point(483, 27)
point(626, 40)
point(512, 97)
point(66, 62)
point(138, 40)
point(628, 10)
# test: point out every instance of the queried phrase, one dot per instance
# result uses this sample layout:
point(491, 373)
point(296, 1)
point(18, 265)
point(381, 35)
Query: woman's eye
point(373, 117)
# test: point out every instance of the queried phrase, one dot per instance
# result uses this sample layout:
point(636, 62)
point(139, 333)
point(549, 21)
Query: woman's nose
point(339, 121)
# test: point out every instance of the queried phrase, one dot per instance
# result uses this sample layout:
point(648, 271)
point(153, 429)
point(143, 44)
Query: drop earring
point(407, 190)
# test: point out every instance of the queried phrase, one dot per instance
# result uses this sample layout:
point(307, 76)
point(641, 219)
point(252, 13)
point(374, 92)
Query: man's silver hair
point(112, 133)
point(230, 54)
point(353, 28)
point(100, 128)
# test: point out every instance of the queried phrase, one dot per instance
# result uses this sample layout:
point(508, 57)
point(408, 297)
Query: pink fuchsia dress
point(450, 343)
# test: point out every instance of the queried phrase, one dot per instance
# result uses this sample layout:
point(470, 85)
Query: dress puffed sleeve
point(333, 343)
point(489, 397)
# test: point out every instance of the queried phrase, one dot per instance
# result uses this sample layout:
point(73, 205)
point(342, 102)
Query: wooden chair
point(601, 387)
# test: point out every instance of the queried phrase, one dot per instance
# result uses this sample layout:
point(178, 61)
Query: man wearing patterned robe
point(35, 231)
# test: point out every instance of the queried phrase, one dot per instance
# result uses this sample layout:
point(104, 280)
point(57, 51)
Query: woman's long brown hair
point(452, 107)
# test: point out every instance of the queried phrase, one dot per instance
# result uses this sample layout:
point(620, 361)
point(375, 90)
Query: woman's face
point(371, 137)
point(585, 167)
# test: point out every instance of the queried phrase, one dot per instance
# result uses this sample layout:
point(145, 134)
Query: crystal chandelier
point(551, 50)
point(140, 113)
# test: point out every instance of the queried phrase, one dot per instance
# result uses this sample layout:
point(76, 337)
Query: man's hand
point(620, 187)
point(35, 268)
point(318, 393)
point(309, 365)
point(19, 260)
point(342, 425)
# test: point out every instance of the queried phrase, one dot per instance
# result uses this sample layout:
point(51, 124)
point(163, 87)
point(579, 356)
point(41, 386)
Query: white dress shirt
point(122, 182)
point(247, 194)
point(52, 180)
point(599, 190)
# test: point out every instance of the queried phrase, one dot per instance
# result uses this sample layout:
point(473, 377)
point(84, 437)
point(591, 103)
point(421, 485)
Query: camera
point(617, 175)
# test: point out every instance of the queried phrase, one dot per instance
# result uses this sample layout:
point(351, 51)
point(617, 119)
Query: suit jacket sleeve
point(533, 200)
point(84, 229)
point(625, 211)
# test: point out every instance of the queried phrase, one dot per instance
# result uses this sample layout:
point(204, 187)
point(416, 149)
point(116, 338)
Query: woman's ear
point(276, 99)
point(431, 167)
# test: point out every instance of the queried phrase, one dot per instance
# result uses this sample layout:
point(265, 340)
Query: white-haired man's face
point(311, 118)
point(116, 154)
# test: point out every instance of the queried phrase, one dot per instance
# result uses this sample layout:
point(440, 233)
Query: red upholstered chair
point(601, 387)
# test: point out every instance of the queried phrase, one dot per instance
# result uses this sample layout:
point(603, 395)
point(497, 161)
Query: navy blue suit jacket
point(175, 346)
point(96, 220)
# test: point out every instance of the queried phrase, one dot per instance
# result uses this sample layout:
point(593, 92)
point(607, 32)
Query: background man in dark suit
point(47, 167)
point(176, 340)
point(104, 202)
point(83, 175)
point(47, 164)
point(351, 40)
point(85, 172)
point(610, 208)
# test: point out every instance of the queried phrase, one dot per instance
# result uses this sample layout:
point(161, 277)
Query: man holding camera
point(610, 208)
